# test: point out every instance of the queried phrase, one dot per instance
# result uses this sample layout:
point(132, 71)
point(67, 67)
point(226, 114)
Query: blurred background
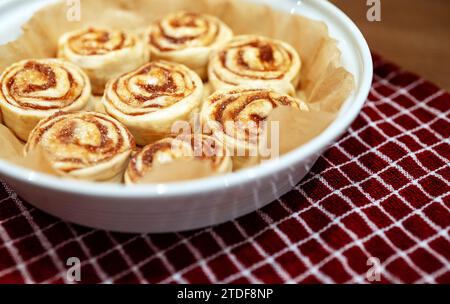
point(414, 34)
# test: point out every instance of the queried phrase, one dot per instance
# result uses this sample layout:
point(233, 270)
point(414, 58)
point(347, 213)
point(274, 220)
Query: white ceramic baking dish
point(198, 203)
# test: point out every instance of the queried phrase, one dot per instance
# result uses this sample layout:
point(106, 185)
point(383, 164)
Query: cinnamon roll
point(103, 54)
point(188, 38)
point(235, 117)
point(194, 146)
point(255, 61)
point(151, 98)
point(31, 90)
point(84, 145)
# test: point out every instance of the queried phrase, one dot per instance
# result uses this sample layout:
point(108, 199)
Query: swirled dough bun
point(84, 145)
point(255, 61)
point(188, 38)
point(150, 99)
point(31, 90)
point(103, 53)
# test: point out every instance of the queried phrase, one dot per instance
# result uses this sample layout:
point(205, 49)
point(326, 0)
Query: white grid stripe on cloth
point(163, 258)
point(339, 251)
point(20, 265)
point(276, 266)
point(340, 257)
point(127, 259)
point(196, 253)
point(50, 251)
point(310, 237)
point(232, 257)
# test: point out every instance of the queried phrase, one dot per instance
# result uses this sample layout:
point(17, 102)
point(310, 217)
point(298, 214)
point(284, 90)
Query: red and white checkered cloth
point(381, 191)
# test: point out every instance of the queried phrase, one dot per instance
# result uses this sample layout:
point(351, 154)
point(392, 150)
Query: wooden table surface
point(414, 34)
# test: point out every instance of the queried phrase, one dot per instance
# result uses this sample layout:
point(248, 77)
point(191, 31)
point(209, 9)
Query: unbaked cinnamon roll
point(151, 98)
point(188, 38)
point(255, 61)
point(102, 53)
point(235, 117)
point(84, 145)
point(197, 146)
point(31, 90)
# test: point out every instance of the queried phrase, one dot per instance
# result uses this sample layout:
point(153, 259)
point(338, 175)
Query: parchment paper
point(324, 84)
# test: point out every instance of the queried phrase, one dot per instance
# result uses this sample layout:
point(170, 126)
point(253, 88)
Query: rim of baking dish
point(316, 145)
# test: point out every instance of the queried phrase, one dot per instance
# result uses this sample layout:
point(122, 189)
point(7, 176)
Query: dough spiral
point(103, 53)
point(31, 90)
point(235, 118)
point(151, 98)
point(169, 149)
point(84, 145)
point(188, 38)
point(255, 61)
